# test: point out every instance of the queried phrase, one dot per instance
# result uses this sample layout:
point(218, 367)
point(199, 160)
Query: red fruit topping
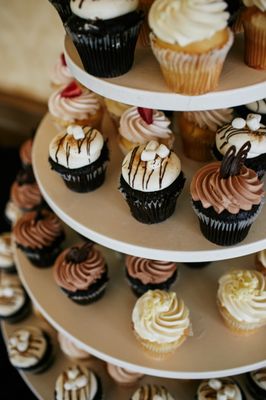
point(146, 114)
point(63, 60)
point(72, 90)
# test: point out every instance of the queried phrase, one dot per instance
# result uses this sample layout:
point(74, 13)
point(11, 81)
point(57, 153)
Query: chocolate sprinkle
point(233, 161)
point(79, 254)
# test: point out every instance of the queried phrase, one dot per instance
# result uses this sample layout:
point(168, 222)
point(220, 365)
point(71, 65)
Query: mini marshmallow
point(72, 373)
point(22, 346)
point(24, 335)
point(148, 155)
point(253, 121)
point(76, 131)
point(7, 292)
point(81, 381)
point(230, 392)
point(221, 396)
point(215, 384)
point(238, 123)
point(163, 151)
point(152, 145)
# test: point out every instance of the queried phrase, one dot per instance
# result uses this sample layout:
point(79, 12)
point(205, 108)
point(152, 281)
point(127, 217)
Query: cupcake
point(143, 274)
point(241, 299)
point(151, 392)
point(256, 107)
point(7, 262)
point(122, 376)
point(115, 109)
point(160, 322)
point(30, 349)
point(220, 389)
point(25, 154)
point(25, 192)
point(78, 382)
point(227, 197)
point(14, 301)
point(190, 40)
point(197, 130)
point(105, 37)
point(75, 104)
point(254, 24)
point(260, 261)
point(61, 75)
point(80, 156)
point(39, 234)
point(71, 349)
point(81, 273)
point(256, 383)
point(238, 132)
point(151, 182)
point(63, 9)
point(139, 125)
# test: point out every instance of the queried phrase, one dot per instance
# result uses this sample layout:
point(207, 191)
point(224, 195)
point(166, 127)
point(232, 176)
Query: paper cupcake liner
point(191, 74)
point(255, 45)
point(226, 233)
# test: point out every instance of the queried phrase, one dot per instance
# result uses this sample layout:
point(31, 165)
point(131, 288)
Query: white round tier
point(104, 328)
point(104, 216)
point(144, 85)
point(42, 385)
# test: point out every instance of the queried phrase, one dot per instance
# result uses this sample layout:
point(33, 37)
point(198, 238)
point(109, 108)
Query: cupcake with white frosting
point(151, 182)
point(79, 155)
point(260, 261)
point(256, 383)
point(139, 125)
point(161, 322)
point(241, 300)
point(123, 376)
point(7, 262)
point(220, 389)
point(190, 40)
point(151, 392)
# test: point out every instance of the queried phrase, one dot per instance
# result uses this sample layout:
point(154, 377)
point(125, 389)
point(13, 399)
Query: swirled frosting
point(159, 316)
point(262, 257)
point(26, 347)
point(259, 377)
point(133, 127)
point(261, 4)
point(243, 294)
point(258, 106)
point(224, 388)
point(187, 21)
point(25, 152)
point(239, 192)
point(91, 9)
point(123, 376)
point(76, 152)
point(151, 392)
point(71, 349)
point(61, 74)
point(71, 109)
point(227, 135)
point(78, 275)
point(26, 196)
point(210, 119)
point(37, 230)
point(151, 175)
point(6, 252)
point(12, 295)
point(149, 271)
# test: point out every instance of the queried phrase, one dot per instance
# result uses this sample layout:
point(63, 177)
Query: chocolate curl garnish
point(79, 254)
point(233, 161)
point(63, 60)
point(146, 114)
point(72, 90)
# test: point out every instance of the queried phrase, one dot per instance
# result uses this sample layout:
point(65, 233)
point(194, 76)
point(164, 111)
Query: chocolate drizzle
point(233, 161)
point(77, 254)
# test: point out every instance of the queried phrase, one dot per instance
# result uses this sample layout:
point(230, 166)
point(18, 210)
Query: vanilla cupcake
point(241, 300)
point(61, 75)
point(220, 389)
point(190, 41)
point(160, 322)
point(151, 182)
point(260, 261)
point(75, 104)
point(71, 349)
point(122, 376)
point(7, 262)
point(139, 125)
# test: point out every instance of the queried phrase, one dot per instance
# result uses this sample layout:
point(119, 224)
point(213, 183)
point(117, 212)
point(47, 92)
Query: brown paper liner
point(191, 74)
point(255, 44)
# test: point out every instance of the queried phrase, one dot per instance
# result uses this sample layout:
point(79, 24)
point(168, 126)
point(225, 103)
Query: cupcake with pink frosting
point(71, 349)
point(122, 376)
point(61, 74)
point(143, 274)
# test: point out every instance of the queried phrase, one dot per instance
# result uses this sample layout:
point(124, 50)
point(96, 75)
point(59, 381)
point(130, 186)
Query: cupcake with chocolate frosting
point(122, 376)
point(80, 156)
point(7, 262)
point(227, 197)
point(151, 182)
point(25, 192)
point(222, 388)
point(256, 383)
point(105, 37)
point(39, 234)
point(81, 273)
point(143, 274)
point(151, 392)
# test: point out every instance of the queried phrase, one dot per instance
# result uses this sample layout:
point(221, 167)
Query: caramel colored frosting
point(74, 275)
point(25, 152)
point(37, 230)
point(239, 192)
point(159, 316)
point(123, 376)
point(149, 271)
point(26, 196)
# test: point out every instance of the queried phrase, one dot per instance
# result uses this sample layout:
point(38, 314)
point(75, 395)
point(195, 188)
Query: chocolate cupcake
point(105, 37)
point(223, 388)
point(39, 235)
point(143, 274)
point(25, 192)
point(63, 9)
point(30, 349)
point(151, 392)
point(7, 262)
point(80, 156)
point(14, 301)
point(227, 198)
point(81, 273)
point(151, 182)
point(256, 383)
point(78, 382)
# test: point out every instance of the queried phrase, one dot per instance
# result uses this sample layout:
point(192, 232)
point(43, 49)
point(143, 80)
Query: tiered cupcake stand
point(104, 328)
